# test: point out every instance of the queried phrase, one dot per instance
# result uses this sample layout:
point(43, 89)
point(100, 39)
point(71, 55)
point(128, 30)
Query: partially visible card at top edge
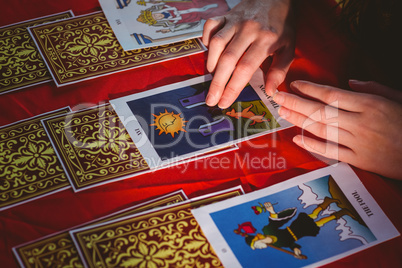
point(29, 167)
point(306, 221)
point(145, 23)
point(94, 147)
point(20, 62)
point(85, 47)
point(157, 238)
point(59, 249)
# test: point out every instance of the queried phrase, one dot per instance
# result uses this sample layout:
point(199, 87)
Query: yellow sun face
point(169, 123)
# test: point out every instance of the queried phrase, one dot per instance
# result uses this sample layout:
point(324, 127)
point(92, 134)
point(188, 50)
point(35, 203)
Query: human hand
point(241, 40)
point(269, 207)
point(360, 128)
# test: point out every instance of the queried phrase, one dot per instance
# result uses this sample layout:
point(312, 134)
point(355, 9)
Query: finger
point(217, 44)
point(330, 132)
point(279, 68)
point(346, 100)
point(325, 149)
point(211, 27)
point(224, 69)
point(375, 88)
point(242, 74)
point(316, 111)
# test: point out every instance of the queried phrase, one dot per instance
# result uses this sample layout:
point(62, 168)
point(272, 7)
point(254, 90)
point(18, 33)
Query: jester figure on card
point(280, 238)
point(175, 16)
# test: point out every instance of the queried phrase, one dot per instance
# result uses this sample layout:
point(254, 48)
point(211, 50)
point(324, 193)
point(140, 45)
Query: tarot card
point(148, 23)
point(309, 220)
point(58, 250)
point(173, 122)
point(94, 147)
point(158, 238)
point(85, 47)
point(20, 62)
point(29, 167)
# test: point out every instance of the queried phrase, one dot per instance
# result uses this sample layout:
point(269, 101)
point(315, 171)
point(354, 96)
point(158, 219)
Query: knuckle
point(217, 40)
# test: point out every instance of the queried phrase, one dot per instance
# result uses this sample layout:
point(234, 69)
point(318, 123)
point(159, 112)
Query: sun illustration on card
point(169, 123)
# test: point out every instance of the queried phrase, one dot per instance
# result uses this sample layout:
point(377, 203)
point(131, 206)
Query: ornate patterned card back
point(85, 47)
point(168, 237)
point(29, 167)
point(21, 65)
point(59, 250)
point(94, 147)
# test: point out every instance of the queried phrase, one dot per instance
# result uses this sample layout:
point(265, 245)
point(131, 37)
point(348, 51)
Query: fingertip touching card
point(85, 47)
point(173, 122)
point(310, 220)
point(148, 23)
point(21, 64)
point(29, 167)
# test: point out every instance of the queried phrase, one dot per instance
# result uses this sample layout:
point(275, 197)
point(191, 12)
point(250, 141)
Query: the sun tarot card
point(173, 122)
point(29, 167)
point(148, 23)
point(21, 64)
point(164, 237)
point(85, 47)
point(309, 220)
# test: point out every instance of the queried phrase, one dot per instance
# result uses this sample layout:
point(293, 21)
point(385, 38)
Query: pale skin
point(241, 40)
point(361, 127)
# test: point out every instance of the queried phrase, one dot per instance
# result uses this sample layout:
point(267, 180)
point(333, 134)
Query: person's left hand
point(362, 129)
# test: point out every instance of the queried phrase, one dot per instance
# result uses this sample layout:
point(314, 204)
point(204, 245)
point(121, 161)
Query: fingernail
point(224, 103)
point(279, 98)
point(210, 100)
point(283, 112)
point(297, 140)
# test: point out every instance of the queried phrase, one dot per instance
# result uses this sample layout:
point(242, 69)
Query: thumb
point(277, 71)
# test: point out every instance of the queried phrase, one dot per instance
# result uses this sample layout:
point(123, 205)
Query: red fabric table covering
point(321, 56)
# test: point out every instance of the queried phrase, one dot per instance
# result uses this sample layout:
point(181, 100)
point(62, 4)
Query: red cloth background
point(321, 56)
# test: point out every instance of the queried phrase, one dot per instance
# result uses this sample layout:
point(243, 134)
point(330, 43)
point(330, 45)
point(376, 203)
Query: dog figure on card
point(246, 113)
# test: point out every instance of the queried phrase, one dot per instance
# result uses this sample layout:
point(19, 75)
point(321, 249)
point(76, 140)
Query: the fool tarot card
point(173, 122)
point(148, 23)
point(309, 220)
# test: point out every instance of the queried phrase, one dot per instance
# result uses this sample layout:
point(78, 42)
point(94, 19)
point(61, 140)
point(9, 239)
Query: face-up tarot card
point(85, 47)
point(173, 122)
point(94, 147)
point(29, 167)
point(163, 237)
point(20, 62)
point(147, 23)
point(309, 220)
point(58, 250)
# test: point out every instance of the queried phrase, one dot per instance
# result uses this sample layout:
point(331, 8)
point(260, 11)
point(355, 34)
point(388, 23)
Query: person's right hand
point(241, 40)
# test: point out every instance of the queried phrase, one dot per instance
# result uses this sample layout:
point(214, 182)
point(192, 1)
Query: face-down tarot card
point(309, 220)
point(173, 122)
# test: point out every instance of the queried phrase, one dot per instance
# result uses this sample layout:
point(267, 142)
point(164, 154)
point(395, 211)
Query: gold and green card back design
point(165, 237)
point(29, 167)
point(21, 64)
point(94, 147)
point(85, 47)
point(58, 250)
